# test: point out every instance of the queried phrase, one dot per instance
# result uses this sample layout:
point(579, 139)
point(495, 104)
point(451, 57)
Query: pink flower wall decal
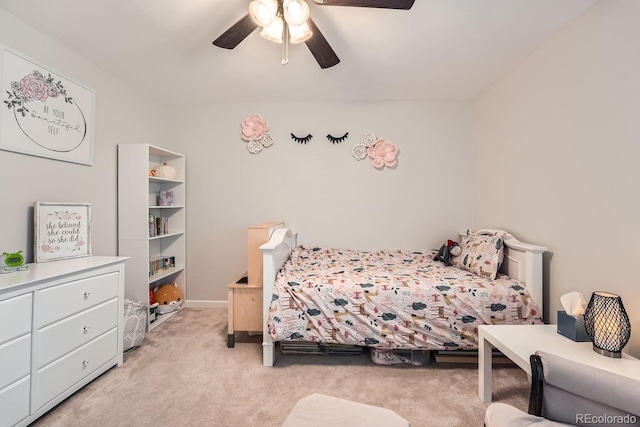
point(254, 127)
point(255, 133)
point(382, 154)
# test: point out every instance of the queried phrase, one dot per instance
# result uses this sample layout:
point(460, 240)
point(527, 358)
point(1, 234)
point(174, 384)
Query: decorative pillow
point(482, 254)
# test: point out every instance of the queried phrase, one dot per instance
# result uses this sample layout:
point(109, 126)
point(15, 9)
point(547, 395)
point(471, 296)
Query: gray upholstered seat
point(564, 392)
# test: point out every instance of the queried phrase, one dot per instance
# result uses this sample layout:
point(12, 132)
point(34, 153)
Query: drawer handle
point(85, 363)
point(86, 329)
point(86, 295)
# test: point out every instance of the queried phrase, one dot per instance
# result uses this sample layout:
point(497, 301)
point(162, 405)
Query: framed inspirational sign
point(45, 114)
point(62, 231)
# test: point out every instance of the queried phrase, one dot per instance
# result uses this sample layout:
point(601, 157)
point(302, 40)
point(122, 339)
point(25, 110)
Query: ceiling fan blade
point(380, 4)
point(236, 33)
point(320, 48)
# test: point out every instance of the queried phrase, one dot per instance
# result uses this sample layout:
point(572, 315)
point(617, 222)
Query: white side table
point(519, 342)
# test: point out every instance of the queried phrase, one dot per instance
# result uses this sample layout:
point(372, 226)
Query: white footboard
point(275, 253)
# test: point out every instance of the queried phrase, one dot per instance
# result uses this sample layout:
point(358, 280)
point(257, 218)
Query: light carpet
point(184, 375)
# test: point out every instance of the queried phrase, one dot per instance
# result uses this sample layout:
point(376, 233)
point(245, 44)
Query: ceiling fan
point(288, 21)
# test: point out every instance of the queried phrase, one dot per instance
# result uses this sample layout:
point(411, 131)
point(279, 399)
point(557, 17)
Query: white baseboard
point(206, 303)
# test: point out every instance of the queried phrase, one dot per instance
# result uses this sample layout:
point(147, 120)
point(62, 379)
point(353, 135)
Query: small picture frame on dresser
point(61, 231)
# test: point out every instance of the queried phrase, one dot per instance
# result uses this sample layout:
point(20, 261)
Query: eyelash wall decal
point(337, 140)
point(301, 140)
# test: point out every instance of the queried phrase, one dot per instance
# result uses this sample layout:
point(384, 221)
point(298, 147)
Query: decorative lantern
point(607, 324)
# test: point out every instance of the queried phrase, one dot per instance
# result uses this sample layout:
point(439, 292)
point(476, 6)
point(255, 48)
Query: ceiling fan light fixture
point(274, 31)
point(263, 11)
point(288, 21)
point(296, 12)
point(300, 33)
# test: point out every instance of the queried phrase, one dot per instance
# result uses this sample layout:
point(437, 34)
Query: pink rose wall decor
point(381, 152)
point(253, 127)
point(255, 132)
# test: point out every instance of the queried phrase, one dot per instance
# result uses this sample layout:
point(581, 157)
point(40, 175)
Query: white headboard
point(522, 262)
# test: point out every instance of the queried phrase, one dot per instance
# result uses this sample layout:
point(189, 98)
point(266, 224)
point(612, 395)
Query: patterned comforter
point(390, 300)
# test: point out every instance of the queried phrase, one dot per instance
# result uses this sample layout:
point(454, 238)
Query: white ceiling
point(440, 49)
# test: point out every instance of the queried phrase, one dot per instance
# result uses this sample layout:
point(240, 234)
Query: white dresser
point(61, 327)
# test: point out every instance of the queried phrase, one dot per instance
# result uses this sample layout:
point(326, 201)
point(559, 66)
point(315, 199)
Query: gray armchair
point(566, 393)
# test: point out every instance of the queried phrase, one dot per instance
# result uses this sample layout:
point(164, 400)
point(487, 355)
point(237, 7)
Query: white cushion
point(319, 410)
point(503, 415)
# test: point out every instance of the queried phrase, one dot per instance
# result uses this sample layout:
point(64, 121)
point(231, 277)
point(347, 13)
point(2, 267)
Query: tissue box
point(572, 327)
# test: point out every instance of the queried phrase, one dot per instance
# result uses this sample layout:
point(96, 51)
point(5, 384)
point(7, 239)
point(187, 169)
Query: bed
point(397, 299)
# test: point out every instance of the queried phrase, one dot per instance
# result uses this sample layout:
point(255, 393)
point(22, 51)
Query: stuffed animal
point(169, 297)
point(447, 251)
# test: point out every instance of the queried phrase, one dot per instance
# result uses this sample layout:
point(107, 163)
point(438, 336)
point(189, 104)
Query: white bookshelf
point(137, 200)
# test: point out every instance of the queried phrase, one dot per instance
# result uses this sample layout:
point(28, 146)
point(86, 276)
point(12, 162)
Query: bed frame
point(522, 262)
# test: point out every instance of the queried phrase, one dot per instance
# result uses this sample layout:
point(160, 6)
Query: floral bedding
point(390, 300)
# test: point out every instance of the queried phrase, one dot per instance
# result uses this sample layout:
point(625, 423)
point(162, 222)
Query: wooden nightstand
point(245, 293)
point(245, 308)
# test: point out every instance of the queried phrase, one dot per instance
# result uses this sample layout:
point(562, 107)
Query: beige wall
point(121, 115)
point(556, 162)
point(319, 189)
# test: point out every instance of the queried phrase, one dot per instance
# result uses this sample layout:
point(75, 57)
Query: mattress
point(389, 299)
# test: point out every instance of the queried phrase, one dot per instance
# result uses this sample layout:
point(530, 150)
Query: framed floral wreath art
point(44, 114)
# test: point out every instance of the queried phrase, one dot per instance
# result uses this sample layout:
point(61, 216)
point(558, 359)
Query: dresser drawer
point(55, 378)
point(58, 302)
point(15, 360)
point(66, 335)
point(14, 402)
point(15, 317)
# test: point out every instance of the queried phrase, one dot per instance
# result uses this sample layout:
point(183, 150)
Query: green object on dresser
point(14, 262)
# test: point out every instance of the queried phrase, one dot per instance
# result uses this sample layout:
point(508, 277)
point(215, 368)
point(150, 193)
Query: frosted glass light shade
point(274, 31)
point(299, 33)
point(296, 12)
point(263, 11)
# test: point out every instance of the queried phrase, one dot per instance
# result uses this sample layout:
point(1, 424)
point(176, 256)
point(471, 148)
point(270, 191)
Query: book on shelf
point(152, 226)
point(160, 264)
point(158, 225)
